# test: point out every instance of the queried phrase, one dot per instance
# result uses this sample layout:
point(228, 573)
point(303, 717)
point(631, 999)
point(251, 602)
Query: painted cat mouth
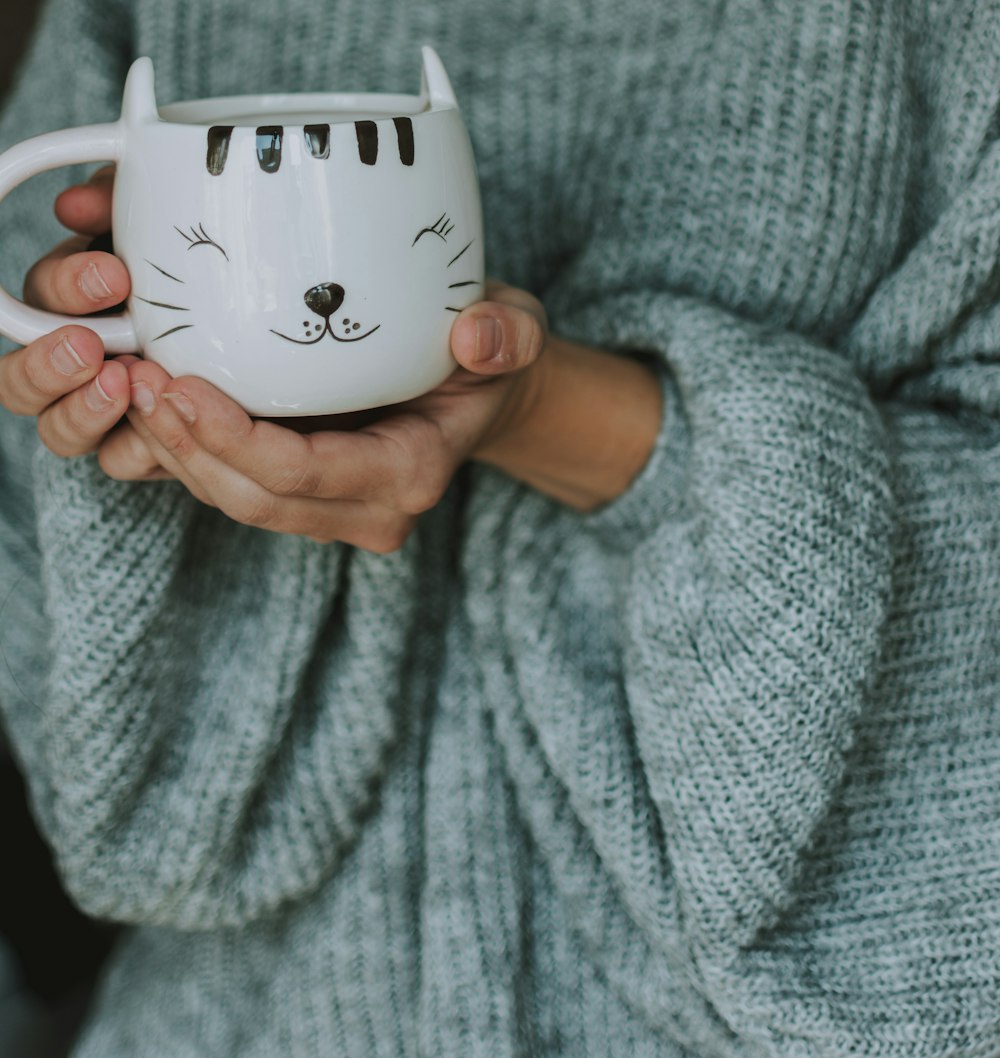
point(327, 330)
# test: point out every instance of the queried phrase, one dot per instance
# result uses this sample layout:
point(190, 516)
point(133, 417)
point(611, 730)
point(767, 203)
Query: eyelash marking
point(442, 228)
point(201, 238)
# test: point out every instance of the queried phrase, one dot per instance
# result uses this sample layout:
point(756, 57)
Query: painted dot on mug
point(305, 323)
point(356, 327)
point(345, 322)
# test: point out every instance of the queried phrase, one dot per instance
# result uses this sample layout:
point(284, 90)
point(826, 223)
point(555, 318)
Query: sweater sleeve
point(748, 705)
point(682, 673)
point(189, 769)
point(221, 701)
point(83, 45)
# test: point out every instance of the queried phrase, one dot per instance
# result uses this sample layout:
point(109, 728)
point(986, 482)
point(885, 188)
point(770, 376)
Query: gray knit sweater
point(712, 772)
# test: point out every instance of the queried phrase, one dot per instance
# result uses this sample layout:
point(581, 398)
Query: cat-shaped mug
point(305, 253)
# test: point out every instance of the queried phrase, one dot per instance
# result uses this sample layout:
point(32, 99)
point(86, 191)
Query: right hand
point(63, 379)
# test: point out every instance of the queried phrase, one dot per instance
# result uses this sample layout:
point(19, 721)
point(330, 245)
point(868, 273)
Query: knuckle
point(48, 439)
point(179, 444)
point(32, 290)
point(389, 537)
point(10, 398)
point(72, 425)
point(57, 286)
point(35, 386)
point(302, 479)
point(110, 461)
point(124, 456)
point(255, 508)
point(419, 474)
point(423, 492)
point(57, 440)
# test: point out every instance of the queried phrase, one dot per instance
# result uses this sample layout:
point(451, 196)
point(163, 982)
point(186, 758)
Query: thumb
point(493, 338)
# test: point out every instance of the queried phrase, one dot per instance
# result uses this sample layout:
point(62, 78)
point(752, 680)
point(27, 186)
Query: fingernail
point(93, 285)
point(143, 398)
point(182, 405)
point(65, 359)
point(489, 337)
point(96, 398)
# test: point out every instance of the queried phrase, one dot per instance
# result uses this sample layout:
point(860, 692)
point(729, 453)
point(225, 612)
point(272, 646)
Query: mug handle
point(90, 143)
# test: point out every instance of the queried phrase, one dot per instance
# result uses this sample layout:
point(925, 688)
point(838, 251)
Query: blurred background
point(16, 20)
point(49, 953)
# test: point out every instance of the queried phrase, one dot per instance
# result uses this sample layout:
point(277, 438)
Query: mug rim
point(251, 111)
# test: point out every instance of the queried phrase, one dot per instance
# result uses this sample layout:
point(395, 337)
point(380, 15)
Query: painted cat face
point(304, 266)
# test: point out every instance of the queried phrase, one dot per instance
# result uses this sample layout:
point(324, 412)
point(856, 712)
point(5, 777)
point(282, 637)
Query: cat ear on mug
point(139, 99)
point(436, 92)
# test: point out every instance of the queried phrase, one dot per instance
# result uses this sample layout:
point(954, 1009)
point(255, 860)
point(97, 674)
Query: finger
point(124, 456)
point(67, 248)
point(76, 424)
point(86, 208)
point(403, 468)
point(499, 336)
point(516, 297)
point(369, 526)
point(34, 377)
point(76, 283)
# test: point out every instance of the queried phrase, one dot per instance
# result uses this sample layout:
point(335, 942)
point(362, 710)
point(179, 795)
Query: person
point(605, 740)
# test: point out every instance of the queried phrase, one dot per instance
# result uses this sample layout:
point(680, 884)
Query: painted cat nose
point(325, 299)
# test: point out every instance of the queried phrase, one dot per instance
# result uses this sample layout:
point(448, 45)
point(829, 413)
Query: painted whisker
point(161, 304)
point(174, 330)
point(460, 252)
point(162, 271)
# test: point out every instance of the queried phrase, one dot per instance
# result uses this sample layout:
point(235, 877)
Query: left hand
point(365, 486)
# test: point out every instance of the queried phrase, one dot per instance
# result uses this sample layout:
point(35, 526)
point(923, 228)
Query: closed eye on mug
point(199, 237)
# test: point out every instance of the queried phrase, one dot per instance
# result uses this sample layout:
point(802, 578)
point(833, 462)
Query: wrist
point(579, 425)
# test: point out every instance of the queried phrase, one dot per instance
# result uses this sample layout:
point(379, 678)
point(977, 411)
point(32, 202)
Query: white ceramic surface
point(307, 253)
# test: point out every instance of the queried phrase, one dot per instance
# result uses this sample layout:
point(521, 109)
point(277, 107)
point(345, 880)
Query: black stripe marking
point(318, 138)
point(218, 148)
point(162, 304)
point(173, 330)
point(448, 307)
point(467, 283)
point(367, 132)
point(269, 147)
point(404, 137)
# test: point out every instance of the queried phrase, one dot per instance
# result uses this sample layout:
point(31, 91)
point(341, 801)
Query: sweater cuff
point(656, 491)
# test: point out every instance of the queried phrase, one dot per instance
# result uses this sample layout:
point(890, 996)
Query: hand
point(63, 379)
point(365, 486)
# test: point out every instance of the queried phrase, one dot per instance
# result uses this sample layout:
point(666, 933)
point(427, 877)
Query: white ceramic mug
point(306, 253)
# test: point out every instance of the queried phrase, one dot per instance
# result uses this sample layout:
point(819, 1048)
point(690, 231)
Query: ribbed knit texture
point(710, 772)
